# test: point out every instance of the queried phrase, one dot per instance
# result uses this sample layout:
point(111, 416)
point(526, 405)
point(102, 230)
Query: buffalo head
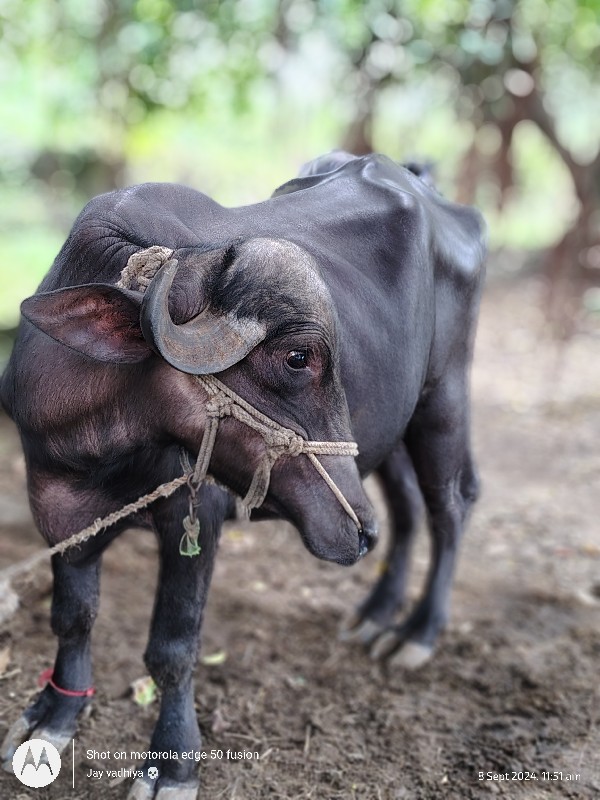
point(258, 313)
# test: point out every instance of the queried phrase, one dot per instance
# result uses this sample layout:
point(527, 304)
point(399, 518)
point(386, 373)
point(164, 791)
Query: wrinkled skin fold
point(343, 307)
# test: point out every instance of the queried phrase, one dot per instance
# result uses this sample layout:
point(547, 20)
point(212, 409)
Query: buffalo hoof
point(17, 733)
point(400, 652)
point(363, 631)
point(145, 789)
point(60, 739)
point(21, 731)
point(142, 789)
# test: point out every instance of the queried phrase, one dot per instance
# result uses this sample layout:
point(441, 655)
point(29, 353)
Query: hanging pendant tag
point(188, 546)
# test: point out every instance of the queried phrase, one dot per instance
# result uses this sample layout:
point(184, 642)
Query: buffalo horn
point(205, 344)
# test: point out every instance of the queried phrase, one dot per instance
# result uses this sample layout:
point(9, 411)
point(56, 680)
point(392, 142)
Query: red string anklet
point(46, 678)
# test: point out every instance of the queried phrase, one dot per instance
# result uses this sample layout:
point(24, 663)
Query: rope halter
point(279, 441)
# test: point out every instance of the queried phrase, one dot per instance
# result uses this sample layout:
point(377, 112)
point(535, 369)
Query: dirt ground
point(513, 688)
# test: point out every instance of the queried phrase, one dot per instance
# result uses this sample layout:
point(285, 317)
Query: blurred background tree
point(231, 97)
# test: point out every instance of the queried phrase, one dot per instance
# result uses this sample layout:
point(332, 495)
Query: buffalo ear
point(97, 320)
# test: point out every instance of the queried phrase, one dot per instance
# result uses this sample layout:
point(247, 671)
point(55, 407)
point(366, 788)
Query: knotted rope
point(142, 266)
point(279, 441)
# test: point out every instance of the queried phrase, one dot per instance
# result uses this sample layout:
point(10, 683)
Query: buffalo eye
point(297, 359)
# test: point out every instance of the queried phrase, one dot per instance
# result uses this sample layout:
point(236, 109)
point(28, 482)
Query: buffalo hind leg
point(387, 596)
point(53, 715)
point(173, 644)
point(438, 442)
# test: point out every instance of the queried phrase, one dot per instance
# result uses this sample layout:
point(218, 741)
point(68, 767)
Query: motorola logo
point(36, 763)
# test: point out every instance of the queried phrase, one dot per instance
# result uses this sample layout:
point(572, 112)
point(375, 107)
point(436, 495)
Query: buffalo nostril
point(366, 540)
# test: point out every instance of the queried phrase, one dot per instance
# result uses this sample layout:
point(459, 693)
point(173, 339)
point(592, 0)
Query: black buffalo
point(343, 307)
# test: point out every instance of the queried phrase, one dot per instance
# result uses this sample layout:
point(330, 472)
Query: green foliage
point(233, 95)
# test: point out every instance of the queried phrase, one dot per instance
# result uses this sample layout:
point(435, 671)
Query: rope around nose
point(279, 441)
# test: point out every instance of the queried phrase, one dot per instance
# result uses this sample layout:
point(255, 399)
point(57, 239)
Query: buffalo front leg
point(173, 645)
point(53, 715)
point(438, 442)
point(387, 596)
